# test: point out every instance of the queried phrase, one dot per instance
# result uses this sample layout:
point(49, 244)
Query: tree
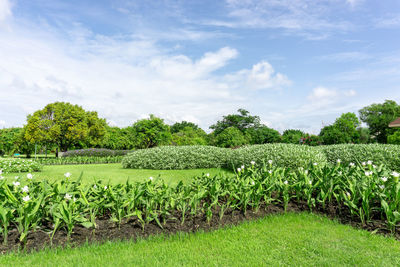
point(262, 135)
point(378, 117)
point(179, 126)
point(332, 135)
point(394, 138)
point(292, 136)
point(8, 140)
point(230, 137)
point(189, 136)
point(64, 125)
point(151, 132)
point(241, 121)
point(119, 138)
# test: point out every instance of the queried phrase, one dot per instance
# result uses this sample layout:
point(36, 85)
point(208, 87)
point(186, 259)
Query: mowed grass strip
point(114, 173)
point(278, 240)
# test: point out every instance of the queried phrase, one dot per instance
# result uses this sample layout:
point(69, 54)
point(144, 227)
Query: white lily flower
point(369, 162)
point(395, 174)
point(68, 196)
point(1, 172)
point(270, 161)
point(310, 182)
point(382, 186)
point(25, 189)
point(338, 161)
point(67, 174)
point(239, 169)
point(368, 173)
point(286, 182)
point(253, 183)
point(207, 174)
point(26, 198)
point(352, 164)
point(151, 178)
point(1, 177)
point(252, 162)
point(348, 194)
point(363, 163)
point(306, 171)
point(270, 171)
point(242, 167)
point(315, 164)
point(16, 184)
point(384, 179)
point(105, 187)
point(29, 176)
point(16, 177)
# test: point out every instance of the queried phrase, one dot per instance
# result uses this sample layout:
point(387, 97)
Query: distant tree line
point(62, 126)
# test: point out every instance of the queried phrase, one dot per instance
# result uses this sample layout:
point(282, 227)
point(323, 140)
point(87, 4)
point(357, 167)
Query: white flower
point(310, 182)
point(74, 199)
point(338, 161)
point(252, 162)
point(367, 173)
point(382, 187)
point(374, 166)
point(306, 171)
point(151, 178)
point(352, 164)
point(16, 177)
point(26, 198)
point(68, 196)
point(25, 189)
point(315, 164)
point(301, 168)
point(95, 186)
point(1, 172)
point(363, 163)
point(239, 169)
point(369, 162)
point(348, 194)
point(253, 183)
point(67, 174)
point(270, 171)
point(395, 174)
point(270, 161)
point(384, 179)
point(207, 174)
point(1, 177)
point(242, 167)
point(16, 184)
point(285, 182)
point(340, 173)
point(105, 187)
point(29, 176)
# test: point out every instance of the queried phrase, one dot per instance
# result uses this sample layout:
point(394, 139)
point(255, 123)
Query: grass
point(115, 173)
point(290, 239)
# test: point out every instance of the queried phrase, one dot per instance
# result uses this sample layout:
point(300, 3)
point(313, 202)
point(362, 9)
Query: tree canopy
point(151, 132)
point(241, 121)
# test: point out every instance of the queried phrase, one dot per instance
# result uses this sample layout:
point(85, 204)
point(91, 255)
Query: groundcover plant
point(362, 192)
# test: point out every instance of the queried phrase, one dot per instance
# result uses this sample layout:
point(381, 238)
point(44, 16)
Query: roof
point(395, 123)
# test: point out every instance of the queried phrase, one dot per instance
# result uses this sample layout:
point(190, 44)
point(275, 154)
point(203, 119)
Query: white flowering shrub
point(282, 155)
point(19, 165)
point(388, 155)
point(177, 157)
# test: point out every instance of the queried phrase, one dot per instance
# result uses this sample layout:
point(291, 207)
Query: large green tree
point(151, 132)
point(241, 121)
point(179, 126)
point(64, 125)
point(8, 140)
point(262, 135)
point(342, 131)
point(189, 136)
point(292, 136)
point(119, 138)
point(378, 117)
point(230, 137)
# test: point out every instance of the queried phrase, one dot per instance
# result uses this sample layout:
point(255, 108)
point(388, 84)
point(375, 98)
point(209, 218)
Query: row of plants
point(8, 165)
point(362, 191)
point(94, 152)
point(284, 155)
point(79, 160)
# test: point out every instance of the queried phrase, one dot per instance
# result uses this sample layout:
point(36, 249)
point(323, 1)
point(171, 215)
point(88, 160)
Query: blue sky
point(296, 64)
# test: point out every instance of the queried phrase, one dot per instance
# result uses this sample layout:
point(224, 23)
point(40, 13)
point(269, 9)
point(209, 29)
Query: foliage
point(377, 153)
point(79, 160)
point(151, 132)
point(364, 192)
point(95, 152)
point(378, 117)
point(292, 136)
point(394, 138)
point(176, 157)
point(189, 136)
point(8, 140)
point(311, 140)
point(18, 165)
point(119, 138)
point(64, 125)
point(342, 131)
point(180, 126)
point(262, 135)
point(282, 155)
point(241, 121)
point(230, 137)
point(365, 135)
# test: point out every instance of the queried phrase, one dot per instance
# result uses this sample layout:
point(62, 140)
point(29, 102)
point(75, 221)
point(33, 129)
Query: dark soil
point(132, 229)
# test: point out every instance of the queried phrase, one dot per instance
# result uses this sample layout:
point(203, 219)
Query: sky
point(297, 64)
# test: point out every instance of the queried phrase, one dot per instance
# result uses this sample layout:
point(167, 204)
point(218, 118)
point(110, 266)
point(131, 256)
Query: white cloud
point(122, 79)
point(388, 22)
point(5, 10)
point(345, 57)
point(322, 94)
point(2, 123)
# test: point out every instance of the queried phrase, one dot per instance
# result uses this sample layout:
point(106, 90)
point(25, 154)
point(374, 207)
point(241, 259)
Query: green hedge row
point(282, 155)
point(388, 155)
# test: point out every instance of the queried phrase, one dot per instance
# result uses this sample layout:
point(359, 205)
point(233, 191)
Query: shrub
point(95, 152)
point(177, 157)
point(230, 137)
point(79, 160)
point(282, 155)
point(19, 165)
point(377, 153)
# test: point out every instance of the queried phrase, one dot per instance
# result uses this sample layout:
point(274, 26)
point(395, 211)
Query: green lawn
point(279, 240)
point(115, 173)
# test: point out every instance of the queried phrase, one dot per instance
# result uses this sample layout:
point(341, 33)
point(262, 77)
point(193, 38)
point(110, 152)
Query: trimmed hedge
point(79, 160)
point(282, 155)
point(388, 155)
point(95, 152)
point(177, 157)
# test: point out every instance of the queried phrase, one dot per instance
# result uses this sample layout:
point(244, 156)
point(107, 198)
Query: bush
point(230, 137)
point(79, 160)
point(19, 165)
point(95, 152)
point(282, 155)
point(177, 157)
point(388, 155)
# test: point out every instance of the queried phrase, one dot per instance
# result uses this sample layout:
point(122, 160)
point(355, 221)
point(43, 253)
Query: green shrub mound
point(94, 152)
point(177, 157)
point(79, 160)
point(388, 155)
point(18, 165)
point(282, 155)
